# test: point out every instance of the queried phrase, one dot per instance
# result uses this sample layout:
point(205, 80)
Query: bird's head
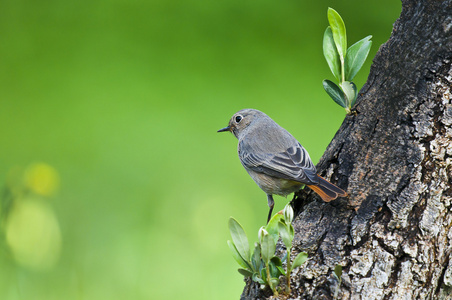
point(241, 120)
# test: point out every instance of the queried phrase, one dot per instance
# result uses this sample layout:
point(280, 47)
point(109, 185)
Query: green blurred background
point(123, 100)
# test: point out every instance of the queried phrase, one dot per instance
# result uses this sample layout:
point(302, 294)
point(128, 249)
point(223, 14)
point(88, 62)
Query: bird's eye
point(238, 119)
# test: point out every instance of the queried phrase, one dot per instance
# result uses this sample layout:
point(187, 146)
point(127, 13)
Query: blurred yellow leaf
point(33, 234)
point(42, 179)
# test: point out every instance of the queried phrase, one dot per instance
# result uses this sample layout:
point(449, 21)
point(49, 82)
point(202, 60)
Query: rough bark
point(394, 157)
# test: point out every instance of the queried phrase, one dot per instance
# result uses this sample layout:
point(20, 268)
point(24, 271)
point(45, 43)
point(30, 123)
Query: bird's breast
point(272, 185)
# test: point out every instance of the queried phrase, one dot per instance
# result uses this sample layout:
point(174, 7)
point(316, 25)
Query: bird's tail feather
point(326, 190)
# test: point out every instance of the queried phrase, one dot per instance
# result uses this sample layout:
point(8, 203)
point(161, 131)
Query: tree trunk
point(394, 158)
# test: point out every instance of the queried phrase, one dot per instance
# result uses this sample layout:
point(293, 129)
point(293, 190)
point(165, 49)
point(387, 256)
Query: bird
point(274, 159)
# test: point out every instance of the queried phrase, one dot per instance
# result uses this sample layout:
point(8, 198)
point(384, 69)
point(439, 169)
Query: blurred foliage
point(124, 98)
point(30, 229)
point(41, 179)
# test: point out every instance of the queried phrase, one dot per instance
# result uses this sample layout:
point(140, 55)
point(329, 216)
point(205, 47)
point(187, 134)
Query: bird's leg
point(271, 203)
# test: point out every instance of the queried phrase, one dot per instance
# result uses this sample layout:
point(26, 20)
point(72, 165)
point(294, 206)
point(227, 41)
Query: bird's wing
point(293, 164)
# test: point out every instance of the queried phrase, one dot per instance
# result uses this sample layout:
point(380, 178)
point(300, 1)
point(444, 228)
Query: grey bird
point(275, 159)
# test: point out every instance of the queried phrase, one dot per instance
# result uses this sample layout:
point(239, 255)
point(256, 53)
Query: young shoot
point(344, 62)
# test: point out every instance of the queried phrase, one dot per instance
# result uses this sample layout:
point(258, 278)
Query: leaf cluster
point(262, 265)
point(344, 62)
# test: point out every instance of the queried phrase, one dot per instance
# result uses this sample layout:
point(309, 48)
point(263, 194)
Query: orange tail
point(326, 190)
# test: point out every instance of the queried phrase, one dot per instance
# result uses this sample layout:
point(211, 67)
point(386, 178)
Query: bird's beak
point(225, 129)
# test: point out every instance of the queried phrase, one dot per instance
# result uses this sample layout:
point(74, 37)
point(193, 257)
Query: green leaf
point(276, 261)
point(349, 89)
point(331, 54)
point(299, 260)
point(239, 238)
point(273, 283)
point(356, 94)
point(356, 56)
point(281, 270)
point(274, 271)
point(238, 258)
point(334, 92)
point(256, 257)
point(275, 266)
point(264, 275)
point(338, 29)
point(272, 227)
point(245, 273)
point(268, 248)
point(338, 271)
point(257, 278)
point(285, 236)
